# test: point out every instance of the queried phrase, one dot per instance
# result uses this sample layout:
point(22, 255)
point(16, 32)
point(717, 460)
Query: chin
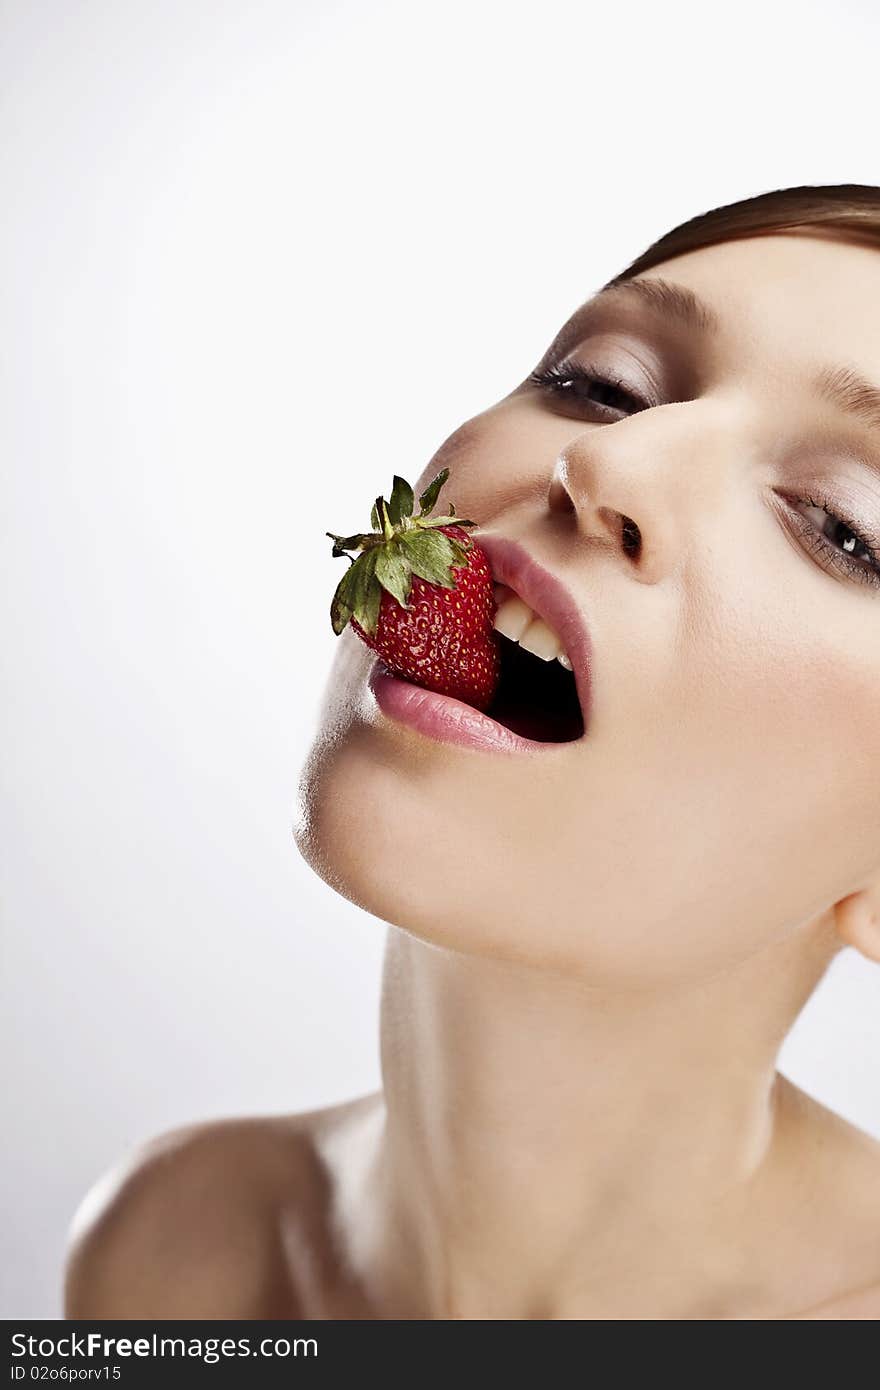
point(350, 810)
point(364, 825)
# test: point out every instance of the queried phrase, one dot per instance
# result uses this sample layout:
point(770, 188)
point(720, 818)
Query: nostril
point(559, 498)
point(631, 537)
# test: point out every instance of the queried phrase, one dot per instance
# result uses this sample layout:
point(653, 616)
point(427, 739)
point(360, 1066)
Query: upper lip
point(547, 596)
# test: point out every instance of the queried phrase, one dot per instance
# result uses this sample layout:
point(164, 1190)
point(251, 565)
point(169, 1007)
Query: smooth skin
point(595, 953)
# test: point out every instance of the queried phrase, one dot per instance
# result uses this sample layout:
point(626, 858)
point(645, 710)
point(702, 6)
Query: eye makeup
point(844, 545)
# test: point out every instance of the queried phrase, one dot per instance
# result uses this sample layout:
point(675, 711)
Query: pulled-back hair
point(853, 208)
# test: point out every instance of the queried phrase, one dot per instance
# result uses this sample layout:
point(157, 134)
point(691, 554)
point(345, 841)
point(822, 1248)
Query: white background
point(256, 258)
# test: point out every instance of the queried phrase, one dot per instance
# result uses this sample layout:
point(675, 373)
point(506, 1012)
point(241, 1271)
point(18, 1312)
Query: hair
point(853, 208)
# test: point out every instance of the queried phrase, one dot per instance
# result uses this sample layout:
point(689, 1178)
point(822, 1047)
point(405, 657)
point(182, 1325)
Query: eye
point(572, 382)
point(850, 549)
point(841, 544)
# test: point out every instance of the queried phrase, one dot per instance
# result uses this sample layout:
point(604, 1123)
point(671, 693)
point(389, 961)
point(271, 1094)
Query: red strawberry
point(420, 594)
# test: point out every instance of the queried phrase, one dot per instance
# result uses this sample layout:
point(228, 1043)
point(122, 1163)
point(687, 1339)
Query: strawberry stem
point(399, 546)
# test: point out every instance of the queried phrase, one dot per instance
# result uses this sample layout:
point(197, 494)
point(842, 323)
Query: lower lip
point(444, 718)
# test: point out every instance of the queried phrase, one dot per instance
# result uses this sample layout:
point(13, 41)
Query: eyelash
point(558, 377)
point(557, 380)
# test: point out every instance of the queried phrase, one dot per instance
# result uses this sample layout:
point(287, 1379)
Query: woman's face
point(727, 790)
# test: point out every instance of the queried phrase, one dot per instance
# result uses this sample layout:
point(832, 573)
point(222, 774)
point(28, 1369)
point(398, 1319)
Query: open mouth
point(536, 699)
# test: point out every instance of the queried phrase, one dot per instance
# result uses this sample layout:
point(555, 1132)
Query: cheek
point(494, 462)
point(797, 682)
point(730, 793)
point(822, 691)
point(776, 754)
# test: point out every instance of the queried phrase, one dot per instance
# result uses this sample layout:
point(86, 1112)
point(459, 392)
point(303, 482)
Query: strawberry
point(420, 594)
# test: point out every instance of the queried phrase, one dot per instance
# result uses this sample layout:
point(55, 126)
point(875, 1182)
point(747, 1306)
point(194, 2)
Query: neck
point(550, 1150)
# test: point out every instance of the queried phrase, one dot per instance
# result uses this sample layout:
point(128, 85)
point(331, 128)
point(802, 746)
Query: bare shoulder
point(840, 1168)
point(188, 1223)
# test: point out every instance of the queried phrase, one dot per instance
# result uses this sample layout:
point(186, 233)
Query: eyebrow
point(674, 301)
point(841, 386)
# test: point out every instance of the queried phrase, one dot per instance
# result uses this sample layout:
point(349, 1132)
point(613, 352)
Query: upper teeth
point(516, 620)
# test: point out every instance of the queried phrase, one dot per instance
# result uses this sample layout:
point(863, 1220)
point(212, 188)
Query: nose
point(649, 487)
point(618, 529)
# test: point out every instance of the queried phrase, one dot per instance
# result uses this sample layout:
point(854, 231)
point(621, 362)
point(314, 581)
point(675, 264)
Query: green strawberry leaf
point(360, 576)
point(397, 549)
point(369, 594)
point(381, 509)
point(340, 614)
point(342, 603)
point(451, 520)
point(343, 543)
point(430, 555)
point(400, 504)
point(393, 572)
point(431, 492)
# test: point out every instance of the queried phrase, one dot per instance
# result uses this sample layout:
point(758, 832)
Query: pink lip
point(442, 717)
point(453, 721)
